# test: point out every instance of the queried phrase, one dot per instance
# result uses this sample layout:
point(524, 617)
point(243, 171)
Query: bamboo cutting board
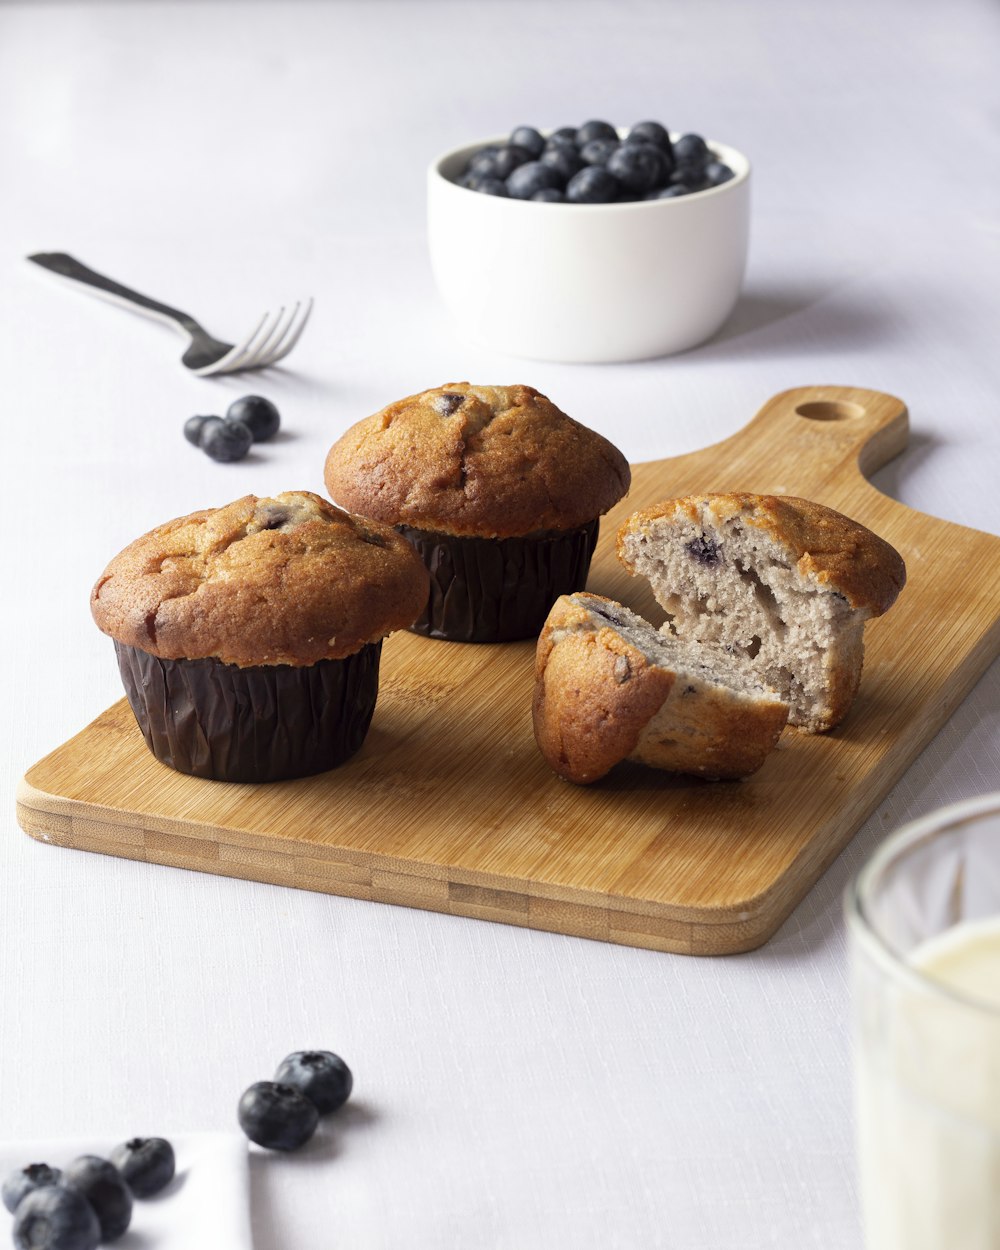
point(448, 805)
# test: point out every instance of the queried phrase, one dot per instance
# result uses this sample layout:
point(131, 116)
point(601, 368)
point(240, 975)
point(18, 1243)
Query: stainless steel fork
point(271, 340)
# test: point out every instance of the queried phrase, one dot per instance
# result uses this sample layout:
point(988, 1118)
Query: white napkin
point(205, 1207)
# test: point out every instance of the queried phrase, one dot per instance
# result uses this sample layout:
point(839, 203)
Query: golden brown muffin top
point(287, 580)
point(491, 461)
point(824, 545)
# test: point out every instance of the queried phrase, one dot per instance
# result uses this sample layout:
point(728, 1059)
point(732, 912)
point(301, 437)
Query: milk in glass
point(928, 1092)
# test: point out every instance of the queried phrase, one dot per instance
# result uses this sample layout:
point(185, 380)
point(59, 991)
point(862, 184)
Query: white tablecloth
point(513, 1089)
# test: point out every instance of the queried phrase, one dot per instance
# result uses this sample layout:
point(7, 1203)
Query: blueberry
point(593, 185)
point(195, 428)
point(597, 151)
point(691, 150)
point(320, 1075)
point(653, 133)
point(665, 160)
point(507, 160)
point(277, 1116)
point(716, 173)
point(23, 1182)
point(564, 160)
point(527, 137)
point(146, 1164)
point(489, 185)
point(194, 425)
point(225, 442)
point(258, 414)
point(100, 1182)
point(645, 165)
point(531, 177)
point(638, 166)
point(482, 165)
point(484, 156)
point(495, 161)
point(687, 176)
point(56, 1217)
point(447, 402)
point(595, 130)
point(558, 142)
point(704, 550)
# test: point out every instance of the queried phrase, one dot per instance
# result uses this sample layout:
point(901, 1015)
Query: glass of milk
point(924, 924)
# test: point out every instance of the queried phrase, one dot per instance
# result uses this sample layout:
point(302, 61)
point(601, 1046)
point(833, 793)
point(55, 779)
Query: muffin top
point(823, 546)
point(288, 580)
point(488, 461)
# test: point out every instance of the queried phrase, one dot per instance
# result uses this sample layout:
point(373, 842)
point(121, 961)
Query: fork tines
point(270, 341)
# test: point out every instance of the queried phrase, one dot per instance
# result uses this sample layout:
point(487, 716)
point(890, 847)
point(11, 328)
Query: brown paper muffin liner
point(498, 589)
point(267, 723)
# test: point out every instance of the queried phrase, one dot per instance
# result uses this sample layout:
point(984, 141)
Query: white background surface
point(513, 1089)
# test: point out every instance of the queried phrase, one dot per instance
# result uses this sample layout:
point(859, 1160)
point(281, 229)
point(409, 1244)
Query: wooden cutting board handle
point(812, 440)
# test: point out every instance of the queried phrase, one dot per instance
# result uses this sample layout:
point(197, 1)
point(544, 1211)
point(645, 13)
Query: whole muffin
point(499, 491)
point(249, 636)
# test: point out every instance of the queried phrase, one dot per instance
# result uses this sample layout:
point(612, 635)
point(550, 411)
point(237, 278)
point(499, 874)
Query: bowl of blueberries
point(592, 243)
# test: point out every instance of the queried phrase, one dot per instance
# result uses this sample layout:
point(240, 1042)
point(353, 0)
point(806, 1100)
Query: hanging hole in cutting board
point(830, 410)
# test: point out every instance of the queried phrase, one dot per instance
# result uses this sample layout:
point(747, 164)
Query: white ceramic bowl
point(588, 282)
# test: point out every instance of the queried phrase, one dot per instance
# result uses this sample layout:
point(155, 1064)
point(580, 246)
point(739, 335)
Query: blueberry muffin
point(499, 491)
point(783, 583)
point(249, 636)
point(609, 687)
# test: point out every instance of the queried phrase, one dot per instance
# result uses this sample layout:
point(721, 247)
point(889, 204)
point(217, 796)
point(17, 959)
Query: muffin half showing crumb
point(785, 584)
point(249, 636)
point(609, 687)
point(499, 491)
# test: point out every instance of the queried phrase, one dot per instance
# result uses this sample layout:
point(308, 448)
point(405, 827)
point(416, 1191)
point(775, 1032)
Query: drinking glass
point(924, 927)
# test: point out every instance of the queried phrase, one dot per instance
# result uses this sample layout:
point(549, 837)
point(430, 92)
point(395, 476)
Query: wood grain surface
point(448, 805)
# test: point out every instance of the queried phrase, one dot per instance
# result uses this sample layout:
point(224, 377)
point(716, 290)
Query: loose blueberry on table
point(592, 164)
point(56, 1217)
point(194, 426)
point(226, 441)
point(323, 1077)
point(258, 414)
point(250, 419)
point(22, 1182)
point(276, 1116)
point(100, 1182)
point(146, 1164)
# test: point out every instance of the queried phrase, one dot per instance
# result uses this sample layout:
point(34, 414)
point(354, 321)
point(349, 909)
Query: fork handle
point(67, 267)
